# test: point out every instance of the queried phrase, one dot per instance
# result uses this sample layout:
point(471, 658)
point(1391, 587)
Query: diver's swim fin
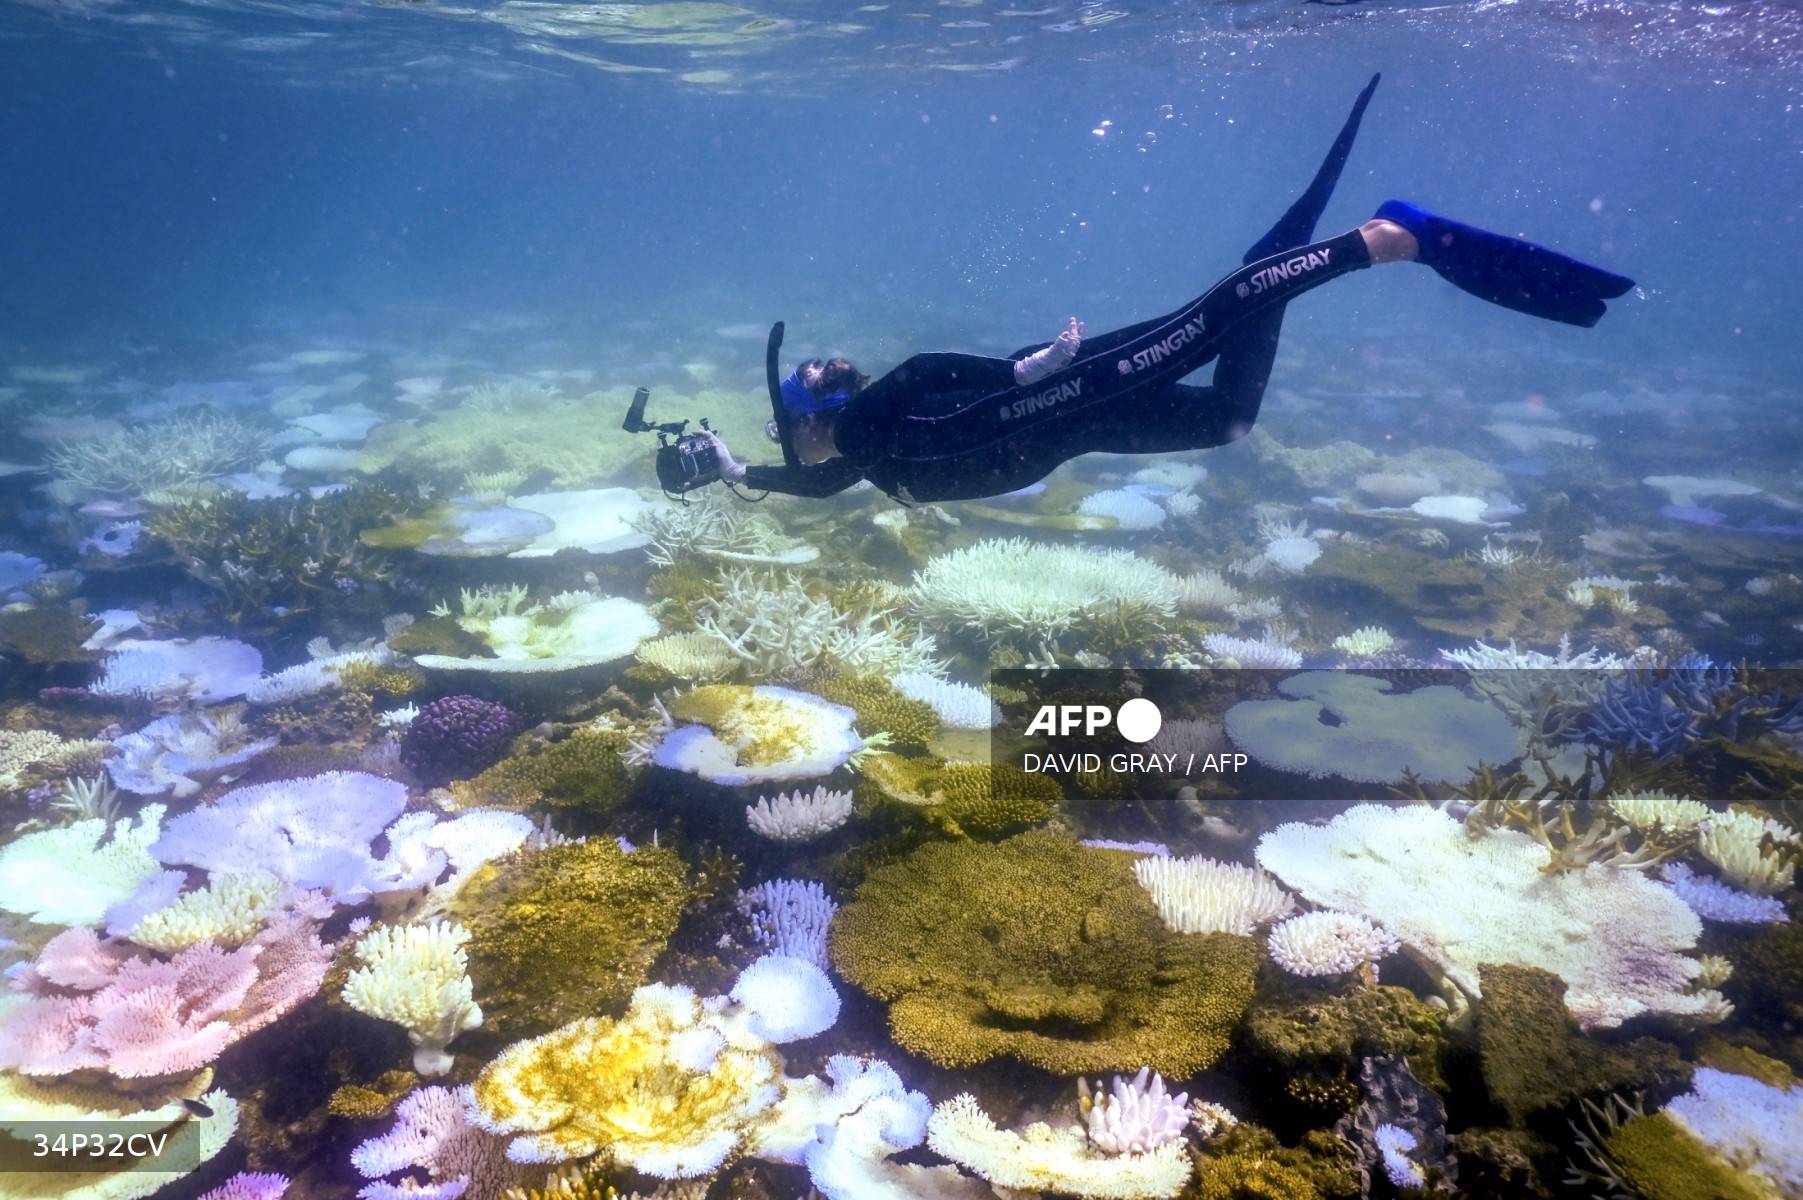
point(1297, 226)
point(1506, 270)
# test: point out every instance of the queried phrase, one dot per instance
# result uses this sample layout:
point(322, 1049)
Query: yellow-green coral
point(639, 1091)
point(584, 770)
point(372, 678)
point(1040, 949)
point(1337, 1031)
point(364, 1102)
point(764, 726)
point(1658, 1159)
point(966, 799)
point(1248, 1163)
point(561, 932)
point(1534, 1056)
point(910, 724)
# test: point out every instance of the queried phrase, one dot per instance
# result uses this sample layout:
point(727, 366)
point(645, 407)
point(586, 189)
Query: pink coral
point(430, 1132)
point(248, 1185)
point(94, 1007)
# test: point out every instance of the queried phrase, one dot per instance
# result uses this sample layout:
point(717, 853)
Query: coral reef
point(1457, 902)
point(569, 631)
point(1326, 1032)
point(1043, 950)
point(584, 770)
point(1037, 591)
point(416, 976)
point(771, 623)
point(558, 932)
point(1059, 1161)
point(1534, 1056)
point(965, 799)
point(736, 735)
point(162, 456)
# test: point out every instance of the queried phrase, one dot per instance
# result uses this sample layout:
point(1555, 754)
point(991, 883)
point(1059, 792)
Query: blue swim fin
point(1508, 271)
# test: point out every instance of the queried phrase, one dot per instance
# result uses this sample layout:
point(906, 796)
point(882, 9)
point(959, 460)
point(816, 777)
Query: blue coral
point(455, 737)
point(1666, 713)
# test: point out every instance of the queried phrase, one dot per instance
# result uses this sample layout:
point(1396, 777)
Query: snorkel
point(790, 397)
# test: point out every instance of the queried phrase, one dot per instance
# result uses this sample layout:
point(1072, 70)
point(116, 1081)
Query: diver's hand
point(731, 469)
point(1070, 339)
point(1040, 363)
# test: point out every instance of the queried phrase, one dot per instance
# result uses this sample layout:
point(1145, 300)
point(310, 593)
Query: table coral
point(67, 876)
point(1043, 950)
point(1458, 902)
point(568, 631)
point(92, 1005)
point(558, 933)
point(1060, 1161)
point(1355, 727)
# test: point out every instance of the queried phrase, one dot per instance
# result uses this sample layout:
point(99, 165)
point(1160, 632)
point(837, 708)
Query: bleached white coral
point(770, 623)
point(319, 674)
point(1013, 585)
point(206, 670)
point(22, 750)
point(1713, 900)
point(1480, 656)
point(67, 877)
point(1134, 1115)
point(1603, 591)
point(1756, 1127)
point(789, 916)
point(958, 705)
point(170, 453)
point(1130, 510)
point(569, 631)
point(690, 655)
point(1253, 654)
point(1752, 852)
point(1657, 812)
point(228, 911)
point(1183, 503)
point(1200, 895)
point(177, 754)
point(1206, 592)
point(1394, 1145)
point(1364, 641)
point(799, 816)
point(1456, 902)
point(711, 526)
point(1043, 1159)
point(1327, 943)
point(418, 977)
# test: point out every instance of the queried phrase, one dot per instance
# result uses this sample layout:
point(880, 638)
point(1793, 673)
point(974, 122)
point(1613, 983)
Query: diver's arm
point(823, 479)
point(1063, 348)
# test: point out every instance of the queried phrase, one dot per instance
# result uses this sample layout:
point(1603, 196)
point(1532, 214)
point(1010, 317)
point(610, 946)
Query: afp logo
point(1138, 720)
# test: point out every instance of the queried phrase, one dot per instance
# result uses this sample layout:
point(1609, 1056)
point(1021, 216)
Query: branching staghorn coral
point(771, 623)
point(1565, 813)
point(172, 453)
point(710, 525)
point(287, 556)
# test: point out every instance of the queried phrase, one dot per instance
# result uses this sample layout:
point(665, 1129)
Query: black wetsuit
point(947, 426)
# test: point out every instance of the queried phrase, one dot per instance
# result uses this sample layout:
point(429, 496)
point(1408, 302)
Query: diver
point(947, 426)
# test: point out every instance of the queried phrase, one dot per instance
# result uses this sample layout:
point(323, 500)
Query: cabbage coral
point(1043, 950)
point(1457, 902)
point(229, 911)
point(1752, 852)
point(669, 1089)
point(737, 735)
point(1014, 586)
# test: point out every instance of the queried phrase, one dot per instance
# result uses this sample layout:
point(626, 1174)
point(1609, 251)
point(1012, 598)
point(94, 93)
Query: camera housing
point(688, 462)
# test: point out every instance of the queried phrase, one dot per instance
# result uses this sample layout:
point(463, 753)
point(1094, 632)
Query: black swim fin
point(1297, 226)
point(1507, 271)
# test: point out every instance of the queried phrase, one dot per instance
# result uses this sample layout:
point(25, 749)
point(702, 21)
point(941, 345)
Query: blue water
point(275, 208)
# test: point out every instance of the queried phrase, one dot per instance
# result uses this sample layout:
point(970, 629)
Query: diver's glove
point(1040, 363)
point(731, 469)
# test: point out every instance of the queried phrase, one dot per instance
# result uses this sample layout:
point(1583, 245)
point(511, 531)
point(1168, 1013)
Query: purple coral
point(457, 736)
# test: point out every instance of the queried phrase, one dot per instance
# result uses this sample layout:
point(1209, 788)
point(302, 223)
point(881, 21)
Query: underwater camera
point(688, 462)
